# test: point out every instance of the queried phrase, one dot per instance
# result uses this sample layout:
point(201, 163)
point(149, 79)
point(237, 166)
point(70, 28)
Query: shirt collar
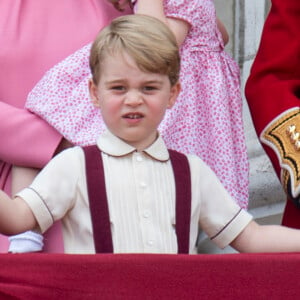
point(114, 146)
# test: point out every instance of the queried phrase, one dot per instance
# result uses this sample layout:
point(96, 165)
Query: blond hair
point(147, 40)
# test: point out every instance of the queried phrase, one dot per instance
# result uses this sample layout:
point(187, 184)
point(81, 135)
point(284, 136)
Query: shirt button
point(146, 214)
point(150, 242)
point(143, 184)
point(139, 158)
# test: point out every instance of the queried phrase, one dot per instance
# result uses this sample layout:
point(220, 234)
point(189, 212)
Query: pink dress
point(34, 36)
point(206, 119)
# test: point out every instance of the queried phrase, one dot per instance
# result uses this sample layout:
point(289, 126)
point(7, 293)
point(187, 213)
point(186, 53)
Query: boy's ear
point(94, 93)
point(175, 90)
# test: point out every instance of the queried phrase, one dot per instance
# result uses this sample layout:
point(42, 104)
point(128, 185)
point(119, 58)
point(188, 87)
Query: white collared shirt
point(141, 197)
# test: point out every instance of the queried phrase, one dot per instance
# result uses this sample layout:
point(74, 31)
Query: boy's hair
point(147, 40)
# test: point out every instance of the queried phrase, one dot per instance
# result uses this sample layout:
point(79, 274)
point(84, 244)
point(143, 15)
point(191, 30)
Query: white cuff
point(28, 241)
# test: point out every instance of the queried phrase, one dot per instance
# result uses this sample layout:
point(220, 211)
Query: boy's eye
point(150, 88)
point(118, 87)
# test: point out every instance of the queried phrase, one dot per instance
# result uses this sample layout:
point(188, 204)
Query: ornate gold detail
point(285, 176)
point(283, 136)
point(294, 135)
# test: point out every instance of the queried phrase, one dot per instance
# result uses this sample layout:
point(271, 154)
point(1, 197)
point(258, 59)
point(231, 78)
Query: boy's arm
point(15, 215)
point(22, 177)
point(267, 238)
point(155, 9)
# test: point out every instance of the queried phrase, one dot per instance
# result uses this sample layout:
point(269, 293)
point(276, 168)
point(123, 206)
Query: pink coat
point(35, 35)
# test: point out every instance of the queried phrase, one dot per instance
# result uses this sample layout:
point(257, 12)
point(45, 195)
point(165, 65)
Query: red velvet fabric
point(147, 276)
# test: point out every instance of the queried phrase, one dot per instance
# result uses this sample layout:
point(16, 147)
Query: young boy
point(135, 65)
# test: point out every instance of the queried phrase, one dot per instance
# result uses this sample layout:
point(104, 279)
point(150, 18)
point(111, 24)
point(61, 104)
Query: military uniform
point(273, 94)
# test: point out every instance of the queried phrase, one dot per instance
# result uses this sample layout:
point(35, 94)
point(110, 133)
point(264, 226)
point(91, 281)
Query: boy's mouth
point(133, 116)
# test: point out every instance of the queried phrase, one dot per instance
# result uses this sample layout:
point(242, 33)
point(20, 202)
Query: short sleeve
point(219, 215)
point(53, 192)
point(181, 9)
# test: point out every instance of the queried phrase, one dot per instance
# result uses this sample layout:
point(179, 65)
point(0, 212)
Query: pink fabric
point(34, 36)
point(146, 276)
point(207, 117)
point(206, 120)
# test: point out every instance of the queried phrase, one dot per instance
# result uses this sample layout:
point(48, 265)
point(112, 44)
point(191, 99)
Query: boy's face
point(132, 102)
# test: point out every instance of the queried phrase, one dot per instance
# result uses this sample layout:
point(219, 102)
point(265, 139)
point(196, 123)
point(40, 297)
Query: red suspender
point(98, 200)
point(182, 174)
point(99, 206)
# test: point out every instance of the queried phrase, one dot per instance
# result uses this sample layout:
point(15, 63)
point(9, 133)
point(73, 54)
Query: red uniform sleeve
point(274, 82)
point(273, 93)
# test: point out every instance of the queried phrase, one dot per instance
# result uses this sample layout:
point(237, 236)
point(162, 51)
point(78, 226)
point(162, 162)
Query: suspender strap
point(98, 200)
point(182, 176)
point(99, 205)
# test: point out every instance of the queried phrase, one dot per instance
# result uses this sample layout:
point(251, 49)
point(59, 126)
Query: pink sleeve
point(26, 139)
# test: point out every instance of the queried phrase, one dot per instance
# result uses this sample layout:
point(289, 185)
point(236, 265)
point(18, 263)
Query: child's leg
point(28, 241)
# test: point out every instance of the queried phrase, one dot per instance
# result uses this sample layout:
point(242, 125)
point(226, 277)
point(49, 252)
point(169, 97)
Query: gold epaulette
point(283, 136)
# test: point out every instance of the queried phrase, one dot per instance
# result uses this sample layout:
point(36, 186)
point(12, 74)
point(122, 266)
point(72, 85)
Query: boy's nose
point(133, 98)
